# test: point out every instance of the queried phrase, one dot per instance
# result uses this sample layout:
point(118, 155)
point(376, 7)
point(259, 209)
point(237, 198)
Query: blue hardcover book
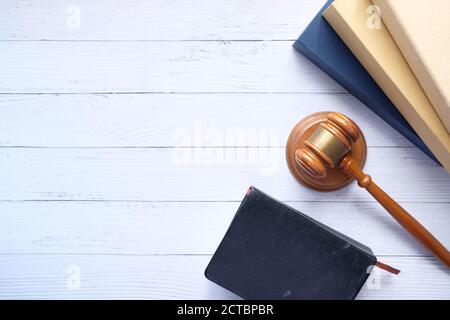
point(322, 45)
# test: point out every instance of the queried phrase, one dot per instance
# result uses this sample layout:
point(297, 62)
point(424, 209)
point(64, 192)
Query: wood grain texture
point(178, 277)
point(188, 227)
point(155, 20)
point(93, 67)
point(403, 217)
point(174, 129)
point(313, 160)
point(198, 174)
point(156, 120)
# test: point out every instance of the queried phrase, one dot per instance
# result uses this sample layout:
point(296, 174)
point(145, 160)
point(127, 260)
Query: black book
point(272, 251)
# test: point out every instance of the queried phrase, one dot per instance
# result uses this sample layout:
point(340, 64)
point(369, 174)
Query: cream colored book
point(358, 25)
point(421, 29)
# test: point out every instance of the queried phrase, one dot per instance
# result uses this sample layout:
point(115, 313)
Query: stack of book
point(392, 55)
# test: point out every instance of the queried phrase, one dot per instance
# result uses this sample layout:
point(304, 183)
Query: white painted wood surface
point(153, 120)
point(186, 228)
point(158, 66)
point(180, 277)
point(156, 20)
point(197, 174)
point(127, 144)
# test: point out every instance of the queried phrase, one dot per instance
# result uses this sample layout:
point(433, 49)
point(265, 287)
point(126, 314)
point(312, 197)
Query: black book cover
point(272, 251)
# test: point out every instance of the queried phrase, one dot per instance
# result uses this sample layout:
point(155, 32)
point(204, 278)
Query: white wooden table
point(130, 131)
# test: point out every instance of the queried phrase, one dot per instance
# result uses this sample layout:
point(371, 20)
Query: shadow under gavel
point(327, 150)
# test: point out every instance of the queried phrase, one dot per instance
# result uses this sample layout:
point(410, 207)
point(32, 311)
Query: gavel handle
point(349, 165)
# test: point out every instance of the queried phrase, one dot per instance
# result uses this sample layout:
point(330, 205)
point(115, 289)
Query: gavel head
point(327, 145)
point(317, 145)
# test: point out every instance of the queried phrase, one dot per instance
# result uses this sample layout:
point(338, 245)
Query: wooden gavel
point(327, 150)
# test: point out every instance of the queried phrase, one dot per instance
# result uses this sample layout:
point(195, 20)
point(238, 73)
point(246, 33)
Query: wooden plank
point(132, 249)
point(179, 277)
point(189, 227)
point(154, 20)
point(199, 174)
point(93, 67)
point(161, 120)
